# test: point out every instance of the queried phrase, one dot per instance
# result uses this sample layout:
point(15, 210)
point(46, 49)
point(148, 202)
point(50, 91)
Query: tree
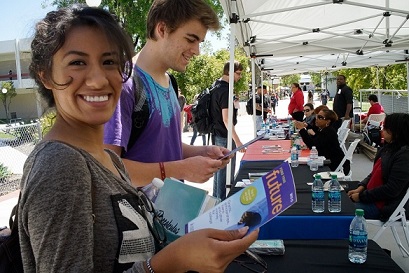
point(204, 69)
point(7, 93)
point(289, 79)
point(131, 14)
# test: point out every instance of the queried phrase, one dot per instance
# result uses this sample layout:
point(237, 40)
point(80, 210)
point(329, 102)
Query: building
point(15, 56)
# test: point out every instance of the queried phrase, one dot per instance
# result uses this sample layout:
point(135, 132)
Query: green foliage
point(6, 97)
point(204, 69)
point(289, 79)
point(131, 14)
point(47, 121)
point(4, 171)
point(390, 77)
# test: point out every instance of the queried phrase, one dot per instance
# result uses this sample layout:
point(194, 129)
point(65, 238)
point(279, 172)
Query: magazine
point(252, 206)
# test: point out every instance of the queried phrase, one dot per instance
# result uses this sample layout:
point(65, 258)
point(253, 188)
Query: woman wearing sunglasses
point(325, 139)
point(382, 190)
point(309, 114)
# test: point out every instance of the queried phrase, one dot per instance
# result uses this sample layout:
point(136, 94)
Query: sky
point(18, 18)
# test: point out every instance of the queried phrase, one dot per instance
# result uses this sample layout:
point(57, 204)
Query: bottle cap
point(317, 176)
point(158, 183)
point(359, 212)
point(334, 176)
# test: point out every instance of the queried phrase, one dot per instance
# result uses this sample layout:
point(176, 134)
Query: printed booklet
point(254, 205)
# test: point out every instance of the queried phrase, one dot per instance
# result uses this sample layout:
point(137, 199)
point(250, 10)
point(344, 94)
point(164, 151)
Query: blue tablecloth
point(299, 222)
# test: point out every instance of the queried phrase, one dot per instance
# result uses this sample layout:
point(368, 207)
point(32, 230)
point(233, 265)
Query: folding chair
point(374, 121)
point(342, 137)
point(397, 219)
point(348, 156)
point(345, 124)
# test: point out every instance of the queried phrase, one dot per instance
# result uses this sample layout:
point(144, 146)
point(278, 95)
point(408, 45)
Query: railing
point(393, 101)
point(16, 143)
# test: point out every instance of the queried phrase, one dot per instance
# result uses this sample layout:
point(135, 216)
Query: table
point(299, 222)
point(254, 151)
point(315, 256)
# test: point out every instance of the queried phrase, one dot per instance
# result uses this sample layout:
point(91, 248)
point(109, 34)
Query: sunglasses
point(156, 228)
point(321, 117)
point(252, 262)
point(307, 110)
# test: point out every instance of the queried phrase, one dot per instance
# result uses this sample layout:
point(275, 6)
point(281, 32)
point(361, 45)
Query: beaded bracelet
point(148, 265)
point(162, 170)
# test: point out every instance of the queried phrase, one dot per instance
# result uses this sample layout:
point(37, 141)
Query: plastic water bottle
point(152, 189)
point(334, 195)
point(294, 156)
point(274, 121)
point(297, 142)
point(314, 159)
point(318, 205)
point(358, 238)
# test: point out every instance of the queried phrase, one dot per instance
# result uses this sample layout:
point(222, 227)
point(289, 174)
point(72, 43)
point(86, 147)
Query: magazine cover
point(254, 205)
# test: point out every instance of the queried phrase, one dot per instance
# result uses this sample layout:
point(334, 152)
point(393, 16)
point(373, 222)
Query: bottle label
point(334, 195)
point(294, 156)
point(358, 239)
point(318, 195)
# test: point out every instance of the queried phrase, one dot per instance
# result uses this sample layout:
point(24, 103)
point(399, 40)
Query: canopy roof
point(295, 36)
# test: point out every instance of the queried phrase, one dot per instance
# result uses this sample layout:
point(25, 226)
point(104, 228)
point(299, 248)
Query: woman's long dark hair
point(398, 126)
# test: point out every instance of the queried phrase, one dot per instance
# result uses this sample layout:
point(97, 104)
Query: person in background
point(189, 118)
point(376, 108)
point(219, 107)
point(182, 103)
point(296, 105)
point(274, 102)
point(261, 99)
point(343, 102)
point(310, 97)
point(93, 219)
point(382, 190)
point(324, 97)
point(175, 29)
point(325, 139)
point(309, 114)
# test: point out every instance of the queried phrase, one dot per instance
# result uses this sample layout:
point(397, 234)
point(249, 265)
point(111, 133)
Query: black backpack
point(140, 115)
point(10, 252)
point(201, 117)
point(249, 106)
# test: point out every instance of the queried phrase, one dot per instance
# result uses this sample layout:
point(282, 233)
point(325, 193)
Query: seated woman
point(325, 139)
point(309, 114)
point(383, 189)
point(311, 124)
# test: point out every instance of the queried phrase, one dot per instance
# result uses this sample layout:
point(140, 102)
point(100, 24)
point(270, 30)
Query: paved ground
point(360, 168)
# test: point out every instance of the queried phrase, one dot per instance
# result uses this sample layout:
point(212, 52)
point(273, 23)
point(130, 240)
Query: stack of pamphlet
point(252, 206)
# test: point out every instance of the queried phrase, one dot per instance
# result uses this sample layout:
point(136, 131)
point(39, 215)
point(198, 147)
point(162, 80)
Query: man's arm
point(348, 110)
point(197, 168)
point(349, 98)
point(235, 136)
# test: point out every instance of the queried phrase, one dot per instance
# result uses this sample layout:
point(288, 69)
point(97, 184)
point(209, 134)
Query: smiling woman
point(78, 210)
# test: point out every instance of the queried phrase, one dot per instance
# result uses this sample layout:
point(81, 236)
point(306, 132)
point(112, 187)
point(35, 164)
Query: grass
point(6, 136)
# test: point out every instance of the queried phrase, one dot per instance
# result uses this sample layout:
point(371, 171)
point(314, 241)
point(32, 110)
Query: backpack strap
point(140, 115)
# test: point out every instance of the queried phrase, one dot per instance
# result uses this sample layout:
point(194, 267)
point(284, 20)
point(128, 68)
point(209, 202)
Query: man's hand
point(200, 168)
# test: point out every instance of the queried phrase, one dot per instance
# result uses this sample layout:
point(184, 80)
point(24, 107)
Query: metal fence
point(16, 143)
point(393, 101)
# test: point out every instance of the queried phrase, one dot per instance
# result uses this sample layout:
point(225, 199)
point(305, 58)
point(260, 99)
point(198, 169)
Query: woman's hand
point(354, 194)
point(299, 125)
point(206, 250)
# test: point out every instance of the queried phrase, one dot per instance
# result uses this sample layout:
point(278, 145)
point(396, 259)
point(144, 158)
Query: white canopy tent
point(296, 36)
